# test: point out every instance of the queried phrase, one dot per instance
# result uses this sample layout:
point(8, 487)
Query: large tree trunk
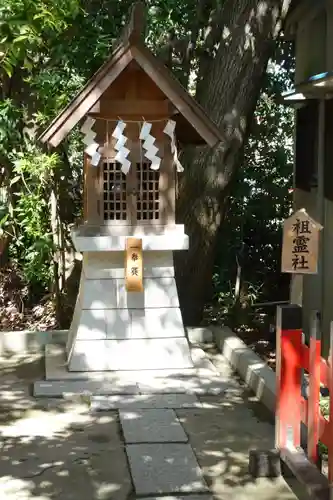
point(229, 85)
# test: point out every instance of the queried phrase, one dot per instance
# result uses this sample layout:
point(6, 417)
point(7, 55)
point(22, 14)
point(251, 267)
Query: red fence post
point(330, 444)
point(314, 388)
point(288, 376)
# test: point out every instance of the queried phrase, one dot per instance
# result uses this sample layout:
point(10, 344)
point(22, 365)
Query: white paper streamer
point(170, 131)
point(89, 137)
point(91, 149)
point(92, 146)
point(148, 144)
point(123, 152)
point(88, 124)
point(121, 157)
point(95, 159)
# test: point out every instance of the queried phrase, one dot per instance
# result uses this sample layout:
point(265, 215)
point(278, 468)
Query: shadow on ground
point(56, 449)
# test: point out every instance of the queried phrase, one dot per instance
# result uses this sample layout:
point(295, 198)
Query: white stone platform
point(201, 379)
point(116, 330)
point(106, 238)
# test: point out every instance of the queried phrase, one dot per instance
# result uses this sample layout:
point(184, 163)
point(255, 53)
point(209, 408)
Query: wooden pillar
point(92, 193)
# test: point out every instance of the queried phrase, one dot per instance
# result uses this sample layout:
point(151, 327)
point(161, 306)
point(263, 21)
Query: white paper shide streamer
point(148, 145)
point(92, 145)
point(170, 131)
point(123, 152)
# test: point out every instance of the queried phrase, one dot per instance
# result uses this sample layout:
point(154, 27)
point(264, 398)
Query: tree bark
point(229, 82)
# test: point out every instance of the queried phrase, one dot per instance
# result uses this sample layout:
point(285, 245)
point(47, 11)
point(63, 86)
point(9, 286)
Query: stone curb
point(27, 341)
point(257, 375)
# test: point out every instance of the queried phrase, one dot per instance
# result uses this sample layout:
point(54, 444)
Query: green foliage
point(33, 249)
point(30, 89)
point(48, 50)
point(10, 117)
point(25, 26)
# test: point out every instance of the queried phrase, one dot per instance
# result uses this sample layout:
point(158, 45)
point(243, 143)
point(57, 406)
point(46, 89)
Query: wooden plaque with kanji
point(300, 244)
point(134, 265)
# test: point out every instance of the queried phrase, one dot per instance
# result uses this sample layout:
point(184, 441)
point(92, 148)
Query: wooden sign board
point(134, 265)
point(300, 244)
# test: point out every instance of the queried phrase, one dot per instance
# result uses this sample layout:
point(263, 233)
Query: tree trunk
point(228, 88)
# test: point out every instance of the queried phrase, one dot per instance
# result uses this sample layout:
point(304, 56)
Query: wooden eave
point(175, 92)
point(300, 11)
point(66, 120)
point(200, 124)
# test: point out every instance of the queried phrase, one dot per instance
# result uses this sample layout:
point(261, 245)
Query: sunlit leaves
point(9, 125)
point(32, 174)
point(35, 165)
point(25, 26)
point(52, 48)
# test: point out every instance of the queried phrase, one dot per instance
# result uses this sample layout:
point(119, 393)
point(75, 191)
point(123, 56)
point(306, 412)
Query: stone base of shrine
point(113, 329)
point(202, 379)
point(137, 354)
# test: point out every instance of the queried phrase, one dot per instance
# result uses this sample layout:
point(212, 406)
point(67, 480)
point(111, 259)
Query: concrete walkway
point(58, 449)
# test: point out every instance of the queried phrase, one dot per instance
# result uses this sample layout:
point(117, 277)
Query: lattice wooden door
point(132, 198)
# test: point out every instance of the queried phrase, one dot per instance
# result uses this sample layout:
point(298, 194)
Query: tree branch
point(193, 40)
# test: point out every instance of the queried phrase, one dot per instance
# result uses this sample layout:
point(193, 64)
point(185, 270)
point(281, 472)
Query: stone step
point(146, 384)
point(144, 402)
point(187, 497)
point(56, 366)
point(168, 468)
point(201, 384)
point(60, 388)
point(197, 380)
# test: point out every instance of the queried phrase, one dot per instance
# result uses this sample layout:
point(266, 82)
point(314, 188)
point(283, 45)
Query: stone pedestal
point(113, 329)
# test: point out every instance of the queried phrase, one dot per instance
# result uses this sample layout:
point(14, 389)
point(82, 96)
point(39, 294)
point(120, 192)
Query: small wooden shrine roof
point(300, 11)
point(193, 126)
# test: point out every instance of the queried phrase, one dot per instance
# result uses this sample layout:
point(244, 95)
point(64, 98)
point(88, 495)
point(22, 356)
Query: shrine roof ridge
point(131, 47)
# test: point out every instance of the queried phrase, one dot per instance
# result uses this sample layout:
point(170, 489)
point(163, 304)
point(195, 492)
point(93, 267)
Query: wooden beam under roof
point(125, 107)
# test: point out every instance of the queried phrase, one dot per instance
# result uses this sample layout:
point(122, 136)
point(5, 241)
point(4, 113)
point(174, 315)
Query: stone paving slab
point(58, 388)
point(163, 384)
point(210, 384)
point(87, 456)
point(63, 454)
point(164, 468)
point(142, 402)
point(187, 497)
point(152, 426)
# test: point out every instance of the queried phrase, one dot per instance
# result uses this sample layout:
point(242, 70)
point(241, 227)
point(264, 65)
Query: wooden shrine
point(133, 115)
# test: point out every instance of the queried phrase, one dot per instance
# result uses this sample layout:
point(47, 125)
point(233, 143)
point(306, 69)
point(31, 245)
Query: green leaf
point(21, 38)
point(15, 179)
point(4, 219)
point(7, 67)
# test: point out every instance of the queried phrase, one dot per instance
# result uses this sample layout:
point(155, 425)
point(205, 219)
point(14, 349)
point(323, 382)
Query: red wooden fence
point(291, 407)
